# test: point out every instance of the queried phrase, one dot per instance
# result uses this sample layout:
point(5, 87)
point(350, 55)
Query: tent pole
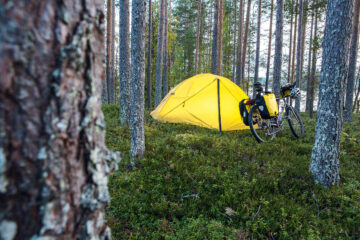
point(218, 94)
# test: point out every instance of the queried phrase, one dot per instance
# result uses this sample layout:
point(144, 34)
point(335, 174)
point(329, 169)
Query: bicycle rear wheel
point(295, 122)
point(262, 129)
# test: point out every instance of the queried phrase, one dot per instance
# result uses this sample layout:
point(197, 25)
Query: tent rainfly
point(204, 100)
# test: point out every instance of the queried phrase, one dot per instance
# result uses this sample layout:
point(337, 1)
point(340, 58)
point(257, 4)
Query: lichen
point(3, 180)
point(8, 230)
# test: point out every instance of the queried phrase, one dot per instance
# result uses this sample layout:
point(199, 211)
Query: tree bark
point(290, 42)
point(298, 52)
point(308, 85)
point(245, 40)
point(112, 62)
point(294, 43)
point(108, 49)
point(269, 47)
point(352, 64)
point(198, 37)
point(137, 135)
point(313, 68)
point(324, 164)
point(160, 55)
point(124, 61)
point(257, 57)
point(215, 44)
point(53, 164)
point(220, 36)
point(165, 37)
point(149, 59)
point(234, 47)
point(278, 47)
point(239, 72)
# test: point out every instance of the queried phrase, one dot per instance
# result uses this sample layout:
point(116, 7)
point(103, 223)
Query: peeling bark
point(52, 154)
point(324, 164)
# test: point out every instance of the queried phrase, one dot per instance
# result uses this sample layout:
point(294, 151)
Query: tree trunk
point(290, 42)
point(313, 68)
point(108, 48)
point(239, 72)
point(53, 167)
point(165, 76)
point(298, 52)
point(215, 44)
point(245, 39)
point(124, 62)
point(220, 36)
point(269, 47)
point(149, 59)
point(278, 47)
point(160, 55)
point(324, 164)
point(308, 85)
point(112, 61)
point(234, 47)
point(137, 145)
point(294, 43)
point(198, 37)
point(257, 57)
point(352, 64)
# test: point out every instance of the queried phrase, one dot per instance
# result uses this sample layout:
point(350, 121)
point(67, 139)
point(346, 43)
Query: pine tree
point(165, 37)
point(234, 46)
point(198, 37)
point(324, 164)
point(299, 51)
point(308, 85)
point(124, 61)
point(257, 46)
point(245, 40)
point(294, 43)
point(239, 71)
point(53, 182)
point(269, 47)
point(290, 42)
point(160, 55)
point(352, 64)
point(108, 49)
point(137, 137)
point(149, 59)
point(278, 47)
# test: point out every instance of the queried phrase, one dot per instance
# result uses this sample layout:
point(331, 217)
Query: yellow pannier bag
point(269, 107)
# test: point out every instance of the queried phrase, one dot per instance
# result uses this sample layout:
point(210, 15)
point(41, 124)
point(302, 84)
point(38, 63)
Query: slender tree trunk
point(298, 52)
point(294, 43)
point(352, 64)
point(112, 61)
point(278, 47)
point(149, 59)
point(269, 47)
point(234, 47)
point(220, 36)
point(137, 145)
point(215, 44)
point(257, 58)
point(165, 76)
point(313, 69)
point(239, 72)
point(290, 42)
point(53, 182)
point(198, 37)
point(324, 164)
point(308, 85)
point(160, 55)
point(245, 38)
point(108, 49)
point(124, 62)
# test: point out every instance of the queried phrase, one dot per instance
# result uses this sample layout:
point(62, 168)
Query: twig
point(316, 203)
point(226, 216)
point(253, 218)
point(196, 195)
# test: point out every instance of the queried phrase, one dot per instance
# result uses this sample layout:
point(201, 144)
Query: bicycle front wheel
point(262, 129)
point(295, 122)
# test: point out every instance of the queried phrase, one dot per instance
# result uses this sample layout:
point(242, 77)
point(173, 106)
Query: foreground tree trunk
point(324, 164)
point(269, 47)
point(352, 64)
point(198, 37)
point(278, 47)
point(257, 57)
point(149, 59)
point(239, 72)
point(137, 145)
point(124, 62)
point(159, 55)
point(245, 40)
point(53, 182)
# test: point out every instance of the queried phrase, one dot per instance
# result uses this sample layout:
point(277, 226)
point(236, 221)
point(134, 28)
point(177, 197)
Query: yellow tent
point(205, 100)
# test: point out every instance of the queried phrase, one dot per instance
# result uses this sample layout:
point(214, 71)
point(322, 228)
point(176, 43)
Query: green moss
point(190, 175)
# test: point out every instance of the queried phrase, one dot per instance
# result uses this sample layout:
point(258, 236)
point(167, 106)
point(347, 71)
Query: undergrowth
point(196, 183)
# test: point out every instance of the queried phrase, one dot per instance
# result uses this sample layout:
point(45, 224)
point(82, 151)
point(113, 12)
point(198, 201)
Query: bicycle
point(264, 118)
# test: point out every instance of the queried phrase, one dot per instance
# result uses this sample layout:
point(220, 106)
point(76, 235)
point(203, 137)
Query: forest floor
point(196, 183)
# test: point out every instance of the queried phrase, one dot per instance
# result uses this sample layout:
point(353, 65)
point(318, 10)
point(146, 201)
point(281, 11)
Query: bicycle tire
point(259, 127)
point(293, 116)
